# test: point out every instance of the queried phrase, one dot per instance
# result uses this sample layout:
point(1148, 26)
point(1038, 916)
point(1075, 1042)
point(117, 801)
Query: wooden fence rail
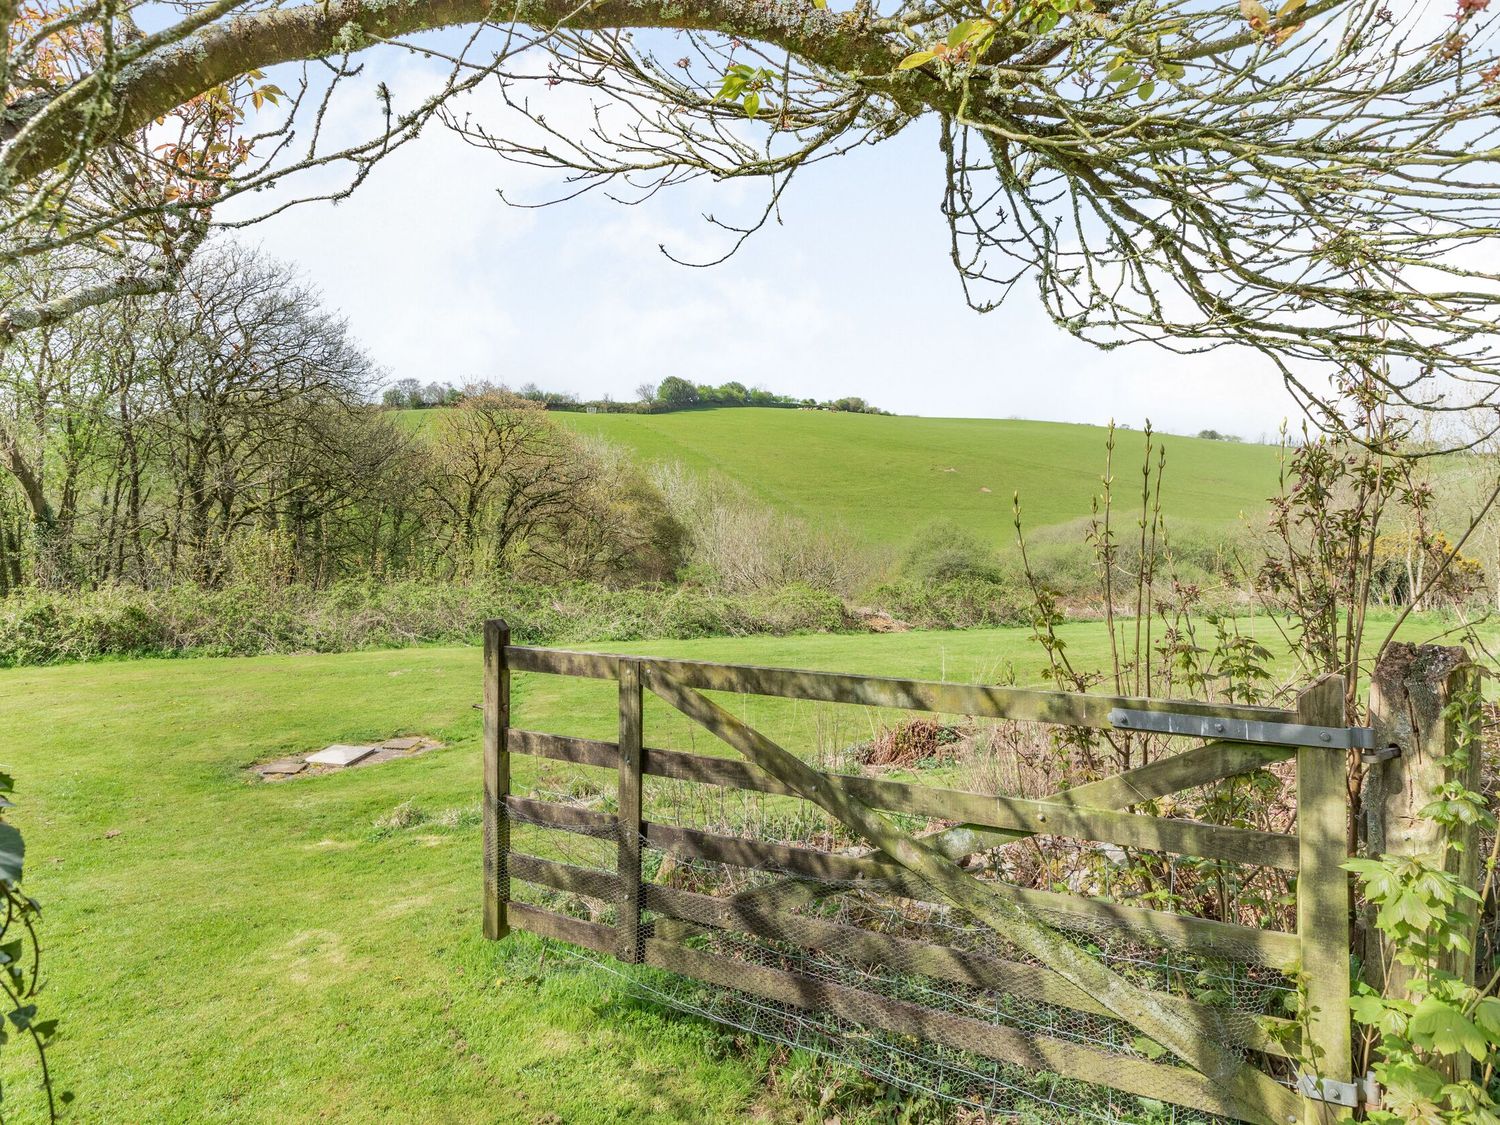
point(1226, 1061)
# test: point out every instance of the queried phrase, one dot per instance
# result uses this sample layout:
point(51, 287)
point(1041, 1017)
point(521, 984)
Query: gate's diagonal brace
point(1258, 1097)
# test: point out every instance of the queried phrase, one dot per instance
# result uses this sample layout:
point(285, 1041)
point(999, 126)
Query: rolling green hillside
point(884, 477)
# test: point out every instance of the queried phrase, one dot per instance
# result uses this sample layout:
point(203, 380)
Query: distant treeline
point(672, 393)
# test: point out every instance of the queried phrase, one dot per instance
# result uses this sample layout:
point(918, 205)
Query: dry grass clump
point(912, 743)
point(404, 815)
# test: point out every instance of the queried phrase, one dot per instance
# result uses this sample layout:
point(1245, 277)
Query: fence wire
point(809, 910)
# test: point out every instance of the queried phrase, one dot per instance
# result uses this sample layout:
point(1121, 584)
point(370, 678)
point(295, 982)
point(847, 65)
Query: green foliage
point(409, 394)
point(1438, 1024)
point(745, 85)
point(943, 551)
point(21, 957)
point(49, 627)
point(676, 391)
point(958, 603)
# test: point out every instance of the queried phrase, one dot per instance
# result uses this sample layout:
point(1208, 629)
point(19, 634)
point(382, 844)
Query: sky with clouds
point(851, 293)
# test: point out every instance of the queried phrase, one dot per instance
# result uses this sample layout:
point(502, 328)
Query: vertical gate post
point(1323, 898)
point(628, 924)
point(1409, 692)
point(496, 778)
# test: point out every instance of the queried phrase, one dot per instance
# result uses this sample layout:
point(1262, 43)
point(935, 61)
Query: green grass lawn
point(884, 478)
point(248, 952)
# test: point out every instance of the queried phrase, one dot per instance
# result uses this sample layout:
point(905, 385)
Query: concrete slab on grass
point(402, 743)
point(284, 767)
point(340, 755)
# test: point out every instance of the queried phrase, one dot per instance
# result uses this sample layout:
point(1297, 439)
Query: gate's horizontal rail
point(553, 814)
point(1015, 814)
point(1172, 774)
point(602, 885)
point(1269, 947)
point(1009, 1045)
point(1029, 981)
point(1076, 709)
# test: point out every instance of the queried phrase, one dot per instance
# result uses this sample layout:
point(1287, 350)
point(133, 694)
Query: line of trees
point(673, 393)
point(223, 431)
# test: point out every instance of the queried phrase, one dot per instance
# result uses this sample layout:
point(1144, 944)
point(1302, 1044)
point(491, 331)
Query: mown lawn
point(248, 952)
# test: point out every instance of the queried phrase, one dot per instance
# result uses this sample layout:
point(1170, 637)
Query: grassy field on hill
point(220, 950)
point(885, 477)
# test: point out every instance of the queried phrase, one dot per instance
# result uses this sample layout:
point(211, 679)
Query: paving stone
point(284, 766)
point(339, 755)
point(402, 743)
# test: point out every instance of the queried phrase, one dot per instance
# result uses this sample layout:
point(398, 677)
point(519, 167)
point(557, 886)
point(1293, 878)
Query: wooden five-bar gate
point(1263, 1067)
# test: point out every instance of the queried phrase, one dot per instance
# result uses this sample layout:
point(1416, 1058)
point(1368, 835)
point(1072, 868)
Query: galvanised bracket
point(1243, 730)
point(1362, 1091)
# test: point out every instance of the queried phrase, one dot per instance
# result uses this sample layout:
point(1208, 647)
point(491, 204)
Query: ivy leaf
point(12, 853)
point(1440, 1026)
point(21, 1017)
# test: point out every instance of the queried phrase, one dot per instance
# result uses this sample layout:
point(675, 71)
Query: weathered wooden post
point(1323, 901)
point(628, 869)
point(496, 779)
point(1409, 693)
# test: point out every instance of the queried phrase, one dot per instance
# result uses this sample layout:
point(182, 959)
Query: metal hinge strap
point(1362, 1091)
point(1243, 730)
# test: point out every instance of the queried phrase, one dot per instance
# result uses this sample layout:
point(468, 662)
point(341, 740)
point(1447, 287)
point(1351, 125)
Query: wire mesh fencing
point(818, 937)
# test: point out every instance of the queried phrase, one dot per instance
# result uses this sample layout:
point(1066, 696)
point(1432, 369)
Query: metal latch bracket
point(1242, 730)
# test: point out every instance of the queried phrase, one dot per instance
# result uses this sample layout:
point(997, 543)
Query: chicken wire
point(1227, 979)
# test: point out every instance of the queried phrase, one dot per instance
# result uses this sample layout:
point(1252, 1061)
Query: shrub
point(41, 627)
point(944, 551)
point(738, 544)
point(960, 603)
